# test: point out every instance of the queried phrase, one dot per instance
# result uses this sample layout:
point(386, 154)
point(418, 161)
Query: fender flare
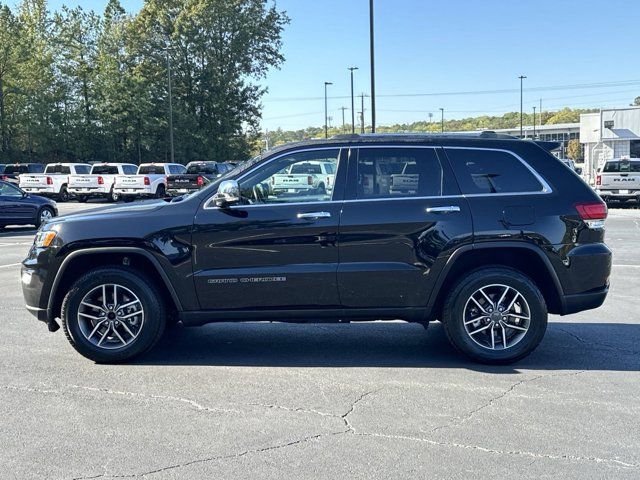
point(442, 274)
point(100, 250)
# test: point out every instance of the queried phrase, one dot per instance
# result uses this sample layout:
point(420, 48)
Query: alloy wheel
point(45, 215)
point(110, 316)
point(496, 317)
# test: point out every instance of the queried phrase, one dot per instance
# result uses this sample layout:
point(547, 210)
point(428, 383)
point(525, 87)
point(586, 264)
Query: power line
point(574, 86)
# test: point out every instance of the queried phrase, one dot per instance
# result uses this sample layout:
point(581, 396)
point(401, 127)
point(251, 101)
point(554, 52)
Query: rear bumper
point(584, 301)
point(131, 192)
point(43, 191)
point(616, 195)
point(89, 192)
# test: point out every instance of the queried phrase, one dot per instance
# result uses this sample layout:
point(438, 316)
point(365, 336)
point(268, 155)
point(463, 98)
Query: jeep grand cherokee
point(490, 235)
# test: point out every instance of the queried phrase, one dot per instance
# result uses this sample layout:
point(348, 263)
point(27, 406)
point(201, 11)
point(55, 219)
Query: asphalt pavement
point(368, 400)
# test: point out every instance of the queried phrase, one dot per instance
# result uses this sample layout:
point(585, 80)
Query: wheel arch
point(81, 261)
point(527, 259)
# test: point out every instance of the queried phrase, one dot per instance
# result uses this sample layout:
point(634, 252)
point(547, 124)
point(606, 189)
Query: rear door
point(390, 239)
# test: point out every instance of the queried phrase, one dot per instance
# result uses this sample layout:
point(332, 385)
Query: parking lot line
point(10, 265)
point(620, 265)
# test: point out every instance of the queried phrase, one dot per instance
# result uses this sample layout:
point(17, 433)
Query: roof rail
point(482, 134)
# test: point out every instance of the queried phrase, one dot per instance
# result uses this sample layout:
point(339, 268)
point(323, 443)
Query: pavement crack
point(600, 344)
point(352, 408)
point(614, 462)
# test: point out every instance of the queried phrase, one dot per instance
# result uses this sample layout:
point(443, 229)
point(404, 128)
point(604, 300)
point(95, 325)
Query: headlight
point(45, 238)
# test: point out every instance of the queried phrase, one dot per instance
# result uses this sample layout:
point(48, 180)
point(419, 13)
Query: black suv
point(484, 233)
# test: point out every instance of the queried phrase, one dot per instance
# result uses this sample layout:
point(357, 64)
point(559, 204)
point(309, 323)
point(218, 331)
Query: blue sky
point(432, 47)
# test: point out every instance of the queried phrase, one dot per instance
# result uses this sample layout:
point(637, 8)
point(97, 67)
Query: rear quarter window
point(491, 172)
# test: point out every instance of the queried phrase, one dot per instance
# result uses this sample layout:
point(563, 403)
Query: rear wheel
point(63, 196)
point(81, 199)
point(495, 315)
point(112, 315)
point(113, 196)
point(45, 214)
point(160, 192)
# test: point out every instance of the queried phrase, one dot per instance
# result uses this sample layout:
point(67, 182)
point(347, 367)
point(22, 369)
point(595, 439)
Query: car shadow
point(10, 231)
point(566, 346)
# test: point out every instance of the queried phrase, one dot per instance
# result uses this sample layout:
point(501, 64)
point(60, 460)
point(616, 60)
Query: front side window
point(399, 172)
point(296, 177)
point(491, 171)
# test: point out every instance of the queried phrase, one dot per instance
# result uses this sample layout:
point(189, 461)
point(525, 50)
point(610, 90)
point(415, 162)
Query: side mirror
point(228, 194)
point(579, 170)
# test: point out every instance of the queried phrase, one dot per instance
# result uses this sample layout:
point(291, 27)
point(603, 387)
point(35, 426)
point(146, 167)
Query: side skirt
point(328, 315)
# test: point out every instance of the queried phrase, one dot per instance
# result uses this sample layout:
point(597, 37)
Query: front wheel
point(113, 314)
point(495, 315)
point(45, 214)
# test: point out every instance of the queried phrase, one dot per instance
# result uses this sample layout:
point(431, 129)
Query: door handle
point(447, 209)
point(314, 215)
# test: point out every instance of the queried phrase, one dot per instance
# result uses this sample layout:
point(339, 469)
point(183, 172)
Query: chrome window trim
point(262, 164)
point(546, 188)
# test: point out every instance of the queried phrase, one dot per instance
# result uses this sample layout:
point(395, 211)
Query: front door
point(276, 250)
point(402, 211)
point(13, 206)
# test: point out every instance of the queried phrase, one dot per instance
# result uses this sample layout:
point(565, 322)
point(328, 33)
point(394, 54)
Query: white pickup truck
point(99, 183)
point(619, 180)
point(54, 182)
point(405, 182)
point(308, 177)
point(150, 181)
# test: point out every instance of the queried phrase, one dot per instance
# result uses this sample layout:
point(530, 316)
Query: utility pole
point(521, 77)
point(326, 128)
point(534, 123)
point(361, 112)
point(430, 117)
point(373, 70)
point(441, 120)
point(540, 112)
point(266, 139)
point(353, 108)
point(170, 105)
point(343, 109)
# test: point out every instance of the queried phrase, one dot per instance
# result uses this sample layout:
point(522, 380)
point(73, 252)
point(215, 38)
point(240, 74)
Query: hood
point(113, 211)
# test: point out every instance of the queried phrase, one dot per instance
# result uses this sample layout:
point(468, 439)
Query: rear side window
point(151, 170)
point(491, 171)
point(104, 170)
point(399, 172)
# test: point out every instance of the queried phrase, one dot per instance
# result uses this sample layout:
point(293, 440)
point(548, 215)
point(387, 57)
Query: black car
point(17, 207)
point(486, 234)
point(13, 170)
point(198, 175)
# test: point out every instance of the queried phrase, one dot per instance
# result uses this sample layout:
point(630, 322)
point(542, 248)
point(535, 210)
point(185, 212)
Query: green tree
point(574, 149)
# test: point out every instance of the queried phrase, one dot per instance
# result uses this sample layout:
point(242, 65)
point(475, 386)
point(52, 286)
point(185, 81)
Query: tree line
point(76, 85)
point(483, 122)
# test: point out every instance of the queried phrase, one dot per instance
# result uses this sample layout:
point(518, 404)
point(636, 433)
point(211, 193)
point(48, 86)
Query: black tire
point(321, 190)
point(142, 287)
point(81, 199)
point(113, 197)
point(454, 315)
point(63, 196)
point(128, 198)
point(38, 219)
point(160, 191)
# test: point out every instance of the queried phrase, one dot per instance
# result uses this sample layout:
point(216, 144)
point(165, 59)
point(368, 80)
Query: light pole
point(326, 129)
point(441, 120)
point(430, 117)
point(171, 151)
point(521, 77)
point(353, 113)
point(534, 123)
point(343, 109)
point(373, 70)
point(362, 95)
point(540, 112)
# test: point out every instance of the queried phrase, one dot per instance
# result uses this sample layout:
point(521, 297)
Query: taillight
point(200, 181)
point(100, 181)
point(593, 214)
point(146, 181)
point(5, 177)
point(49, 181)
point(598, 179)
point(310, 180)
